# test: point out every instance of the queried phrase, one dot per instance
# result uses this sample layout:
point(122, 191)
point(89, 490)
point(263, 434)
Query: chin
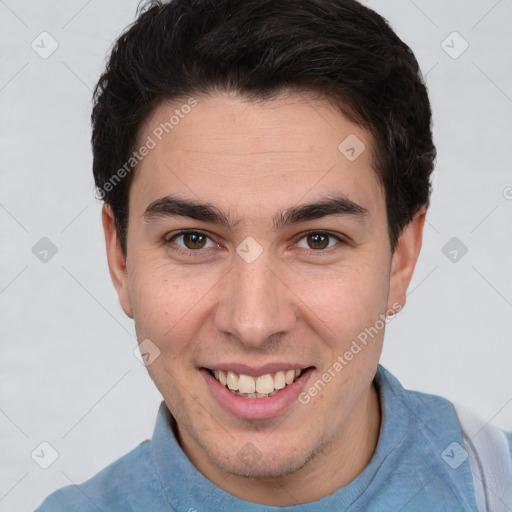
point(261, 470)
point(264, 460)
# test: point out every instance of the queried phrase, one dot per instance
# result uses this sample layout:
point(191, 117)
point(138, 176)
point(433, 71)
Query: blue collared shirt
point(407, 472)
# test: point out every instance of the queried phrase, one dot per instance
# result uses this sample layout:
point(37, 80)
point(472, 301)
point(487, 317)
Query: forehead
point(227, 151)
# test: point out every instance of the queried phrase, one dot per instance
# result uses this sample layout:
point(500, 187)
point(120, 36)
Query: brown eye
point(194, 240)
point(318, 240)
point(190, 241)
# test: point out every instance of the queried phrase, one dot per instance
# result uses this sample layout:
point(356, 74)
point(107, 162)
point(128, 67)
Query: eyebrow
point(171, 206)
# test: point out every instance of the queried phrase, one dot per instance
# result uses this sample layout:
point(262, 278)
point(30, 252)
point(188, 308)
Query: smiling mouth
point(263, 386)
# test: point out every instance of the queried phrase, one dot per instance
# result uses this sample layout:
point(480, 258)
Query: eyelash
point(197, 252)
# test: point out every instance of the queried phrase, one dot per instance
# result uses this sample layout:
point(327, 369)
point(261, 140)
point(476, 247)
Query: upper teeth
point(265, 384)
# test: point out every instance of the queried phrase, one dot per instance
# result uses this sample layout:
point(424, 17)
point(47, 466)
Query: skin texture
point(296, 303)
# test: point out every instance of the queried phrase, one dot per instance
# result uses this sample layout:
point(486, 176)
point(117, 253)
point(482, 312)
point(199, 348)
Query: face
point(257, 253)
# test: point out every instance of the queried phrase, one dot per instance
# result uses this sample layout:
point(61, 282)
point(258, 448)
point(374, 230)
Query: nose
point(255, 305)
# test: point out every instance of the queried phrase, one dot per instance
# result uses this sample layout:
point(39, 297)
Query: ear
point(116, 259)
point(404, 260)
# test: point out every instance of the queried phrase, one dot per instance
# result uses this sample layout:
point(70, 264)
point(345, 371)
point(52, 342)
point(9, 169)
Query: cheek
point(160, 303)
point(170, 306)
point(344, 301)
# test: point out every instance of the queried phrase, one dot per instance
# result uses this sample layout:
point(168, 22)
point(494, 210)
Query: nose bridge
point(254, 304)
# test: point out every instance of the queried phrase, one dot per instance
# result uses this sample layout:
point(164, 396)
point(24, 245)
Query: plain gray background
point(68, 373)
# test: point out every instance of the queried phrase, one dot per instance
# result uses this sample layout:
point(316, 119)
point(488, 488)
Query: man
point(265, 168)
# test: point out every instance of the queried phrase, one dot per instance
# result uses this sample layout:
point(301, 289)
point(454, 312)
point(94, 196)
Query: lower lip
point(257, 408)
